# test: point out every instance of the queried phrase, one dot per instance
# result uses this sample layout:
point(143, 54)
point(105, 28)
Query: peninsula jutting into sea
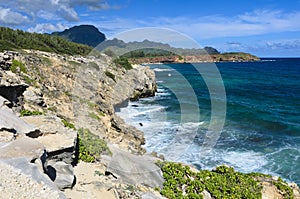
point(82, 122)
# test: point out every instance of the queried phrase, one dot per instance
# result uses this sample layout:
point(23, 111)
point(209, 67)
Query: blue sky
point(267, 28)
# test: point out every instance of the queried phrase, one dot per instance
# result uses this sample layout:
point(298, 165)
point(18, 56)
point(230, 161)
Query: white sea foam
point(162, 69)
point(267, 60)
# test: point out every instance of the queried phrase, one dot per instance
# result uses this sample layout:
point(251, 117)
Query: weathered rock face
point(134, 169)
point(24, 158)
point(33, 96)
point(135, 84)
point(60, 146)
point(56, 84)
point(11, 85)
point(11, 123)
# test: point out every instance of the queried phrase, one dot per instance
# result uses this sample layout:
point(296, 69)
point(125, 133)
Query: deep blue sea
point(261, 131)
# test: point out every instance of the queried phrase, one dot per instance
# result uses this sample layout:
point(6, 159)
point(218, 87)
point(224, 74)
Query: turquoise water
point(262, 124)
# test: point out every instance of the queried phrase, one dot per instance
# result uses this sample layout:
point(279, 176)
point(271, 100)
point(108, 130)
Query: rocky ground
point(59, 90)
point(45, 98)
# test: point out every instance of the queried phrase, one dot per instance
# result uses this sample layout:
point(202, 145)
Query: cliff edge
point(60, 136)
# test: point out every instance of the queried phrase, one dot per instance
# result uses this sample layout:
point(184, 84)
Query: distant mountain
point(150, 48)
point(83, 34)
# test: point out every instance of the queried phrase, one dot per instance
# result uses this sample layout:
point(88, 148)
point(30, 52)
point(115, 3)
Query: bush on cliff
point(223, 182)
point(91, 146)
point(17, 67)
point(68, 124)
point(122, 62)
point(29, 113)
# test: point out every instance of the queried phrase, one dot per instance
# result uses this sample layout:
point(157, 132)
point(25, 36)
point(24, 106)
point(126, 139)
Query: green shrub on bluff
point(17, 67)
point(123, 63)
point(91, 146)
point(223, 182)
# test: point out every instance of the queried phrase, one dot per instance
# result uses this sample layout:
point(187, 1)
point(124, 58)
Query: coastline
point(130, 170)
point(296, 189)
point(209, 58)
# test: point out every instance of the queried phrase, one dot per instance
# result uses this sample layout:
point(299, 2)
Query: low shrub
point(110, 75)
point(94, 116)
point(123, 63)
point(17, 66)
point(91, 146)
point(68, 124)
point(223, 182)
point(29, 113)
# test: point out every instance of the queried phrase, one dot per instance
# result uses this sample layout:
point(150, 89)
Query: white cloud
point(53, 9)
point(287, 47)
point(257, 22)
point(8, 17)
point(47, 27)
point(253, 23)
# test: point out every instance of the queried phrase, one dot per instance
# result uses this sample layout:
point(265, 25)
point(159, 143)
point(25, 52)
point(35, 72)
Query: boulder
point(134, 169)
point(10, 122)
point(34, 96)
point(61, 173)
point(59, 141)
point(60, 144)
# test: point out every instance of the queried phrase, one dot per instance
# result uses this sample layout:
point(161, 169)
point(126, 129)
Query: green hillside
point(17, 39)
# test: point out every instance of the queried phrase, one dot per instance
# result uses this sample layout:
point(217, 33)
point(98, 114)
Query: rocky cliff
point(56, 110)
point(45, 99)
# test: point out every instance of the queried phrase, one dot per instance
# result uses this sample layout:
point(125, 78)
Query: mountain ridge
point(83, 34)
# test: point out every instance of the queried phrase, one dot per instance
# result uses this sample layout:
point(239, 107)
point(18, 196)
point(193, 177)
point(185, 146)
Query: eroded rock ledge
point(78, 90)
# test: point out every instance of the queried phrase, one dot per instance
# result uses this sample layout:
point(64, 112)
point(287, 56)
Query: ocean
point(258, 103)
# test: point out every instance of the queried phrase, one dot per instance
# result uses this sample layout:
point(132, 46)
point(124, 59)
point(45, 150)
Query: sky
point(266, 28)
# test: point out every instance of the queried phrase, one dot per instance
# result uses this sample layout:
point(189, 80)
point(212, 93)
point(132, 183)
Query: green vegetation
point(122, 62)
point(148, 52)
point(17, 67)
point(98, 173)
point(68, 124)
point(91, 146)
point(110, 75)
point(17, 39)
point(29, 113)
point(91, 105)
point(284, 188)
point(240, 55)
point(221, 183)
point(94, 116)
point(28, 80)
point(68, 93)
